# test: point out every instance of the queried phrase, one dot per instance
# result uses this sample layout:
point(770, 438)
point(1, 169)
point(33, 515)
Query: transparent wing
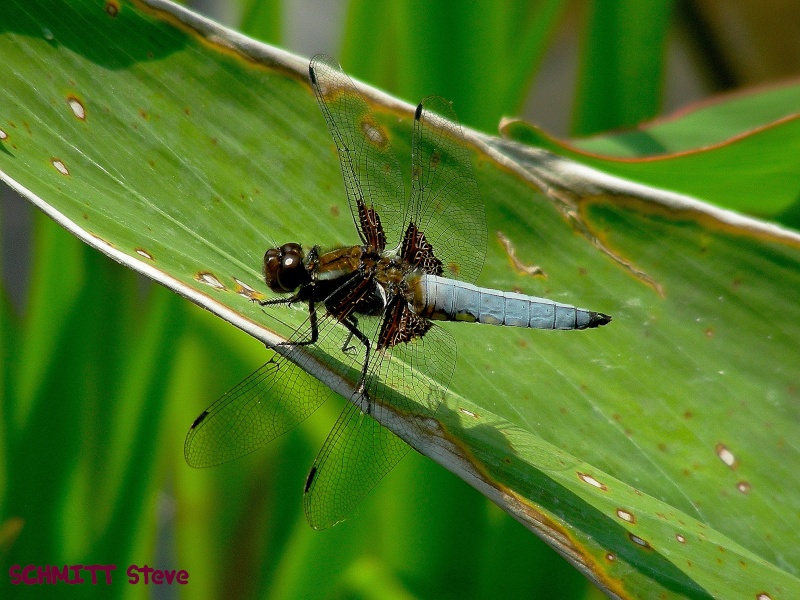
point(355, 457)
point(371, 172)
point(445, 201)
point(412, 377)
point(274, 399)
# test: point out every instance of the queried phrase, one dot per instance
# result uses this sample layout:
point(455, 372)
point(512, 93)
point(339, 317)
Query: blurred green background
point(116, 376)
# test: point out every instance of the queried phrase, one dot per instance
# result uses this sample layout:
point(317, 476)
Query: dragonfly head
point(284, 269)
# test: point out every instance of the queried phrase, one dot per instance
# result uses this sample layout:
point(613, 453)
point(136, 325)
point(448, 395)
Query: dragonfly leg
point(347, 347)
point(312, 317)
point(352, 326)
point(275, 301)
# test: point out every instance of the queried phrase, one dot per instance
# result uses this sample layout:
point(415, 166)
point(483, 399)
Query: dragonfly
point(373, 307)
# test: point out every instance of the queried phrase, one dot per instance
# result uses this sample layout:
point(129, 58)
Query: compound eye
point(272, 265)
point(292, 272)
point(272, 259)
point(292, 248)
point(284, 270)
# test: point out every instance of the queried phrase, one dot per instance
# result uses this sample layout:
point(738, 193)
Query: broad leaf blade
point(622, 71)
point(737, 151)
point(702, 125)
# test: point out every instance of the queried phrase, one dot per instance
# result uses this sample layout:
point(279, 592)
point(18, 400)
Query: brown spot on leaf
point(726, 456)
point(246, 291)
point(640, 542)
point(454, 269)
point(586, 478)
point(101, 239)
point(209, 279)
point(59, 166)
point(626, 516)
point(373, 132)
point(77, 107)
point(516, 263)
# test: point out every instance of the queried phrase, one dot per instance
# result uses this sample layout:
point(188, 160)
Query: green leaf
point(622, 72)
point(481, 56)
point(95, 465)
point(261, 19)
point(703, 125)
point(706, 151)
point(726, 174)
point(656, 453)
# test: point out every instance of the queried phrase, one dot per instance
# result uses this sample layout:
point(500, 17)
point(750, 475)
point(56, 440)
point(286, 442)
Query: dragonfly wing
point(371, 171)
point(272, 400)
point(446, 204)
point(357, 454)
point(410, 378)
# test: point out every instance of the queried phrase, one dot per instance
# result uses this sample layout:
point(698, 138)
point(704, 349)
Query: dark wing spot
point(418, 112)
point(401, 324)
point(417, 250)
point(371, 226)
point(199, 419)
point(311, 75)
point(310, 479)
